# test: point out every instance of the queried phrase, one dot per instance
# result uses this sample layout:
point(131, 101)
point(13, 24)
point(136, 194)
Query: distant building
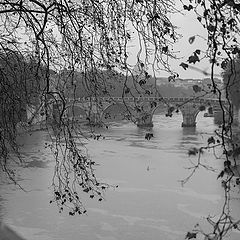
point(186, 83)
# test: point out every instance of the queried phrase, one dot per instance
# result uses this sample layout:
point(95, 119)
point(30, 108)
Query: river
point(149, 204)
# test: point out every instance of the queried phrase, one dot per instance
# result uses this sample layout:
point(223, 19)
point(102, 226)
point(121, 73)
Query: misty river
point(149, 204)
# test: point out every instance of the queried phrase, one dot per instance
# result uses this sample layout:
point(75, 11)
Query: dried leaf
point(192, 151)
point(191, 39)
point(184, 65)
point(196, 88)
point(198, 51)
point(211, 140)
point(191, 235)
point(193, 59)
point(221, 174)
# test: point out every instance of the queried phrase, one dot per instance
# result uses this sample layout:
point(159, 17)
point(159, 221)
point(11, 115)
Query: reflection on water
point(2, 210)
point(189, 131)
point(150, 203)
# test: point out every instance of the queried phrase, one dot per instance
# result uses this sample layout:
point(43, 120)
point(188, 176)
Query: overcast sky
point(188, 26)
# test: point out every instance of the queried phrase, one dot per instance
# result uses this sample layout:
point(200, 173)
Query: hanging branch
point(51, 49)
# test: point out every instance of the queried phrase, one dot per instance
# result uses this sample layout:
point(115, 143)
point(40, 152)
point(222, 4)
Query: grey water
point(150, 202)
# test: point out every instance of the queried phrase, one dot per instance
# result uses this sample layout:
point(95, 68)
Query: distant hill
point(112, 83)
point(169, 90)
point(105, 83)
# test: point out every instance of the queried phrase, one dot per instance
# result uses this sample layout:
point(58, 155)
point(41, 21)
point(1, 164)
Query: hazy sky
point(188, 27)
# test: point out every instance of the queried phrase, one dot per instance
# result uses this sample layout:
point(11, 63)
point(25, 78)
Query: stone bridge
point(138, 109)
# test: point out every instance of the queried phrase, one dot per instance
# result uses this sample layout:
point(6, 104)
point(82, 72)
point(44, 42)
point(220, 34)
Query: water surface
point(149, 203)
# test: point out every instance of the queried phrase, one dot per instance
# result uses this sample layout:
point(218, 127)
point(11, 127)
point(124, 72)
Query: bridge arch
point(105, 109)
point(161, 107)
point(188, 110)
point(116, 111)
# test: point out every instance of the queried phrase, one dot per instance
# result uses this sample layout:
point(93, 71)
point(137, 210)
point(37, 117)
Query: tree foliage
point(232, 81)
point(45, 44)
point(221, 22)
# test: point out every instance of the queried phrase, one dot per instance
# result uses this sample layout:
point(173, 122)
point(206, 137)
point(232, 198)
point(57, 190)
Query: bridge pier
point(145, 120)
point(219, 117)
point(95, 108)
point(189, 113)
point(189, 121)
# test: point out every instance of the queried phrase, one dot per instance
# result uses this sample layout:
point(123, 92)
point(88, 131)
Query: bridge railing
point(134, 99)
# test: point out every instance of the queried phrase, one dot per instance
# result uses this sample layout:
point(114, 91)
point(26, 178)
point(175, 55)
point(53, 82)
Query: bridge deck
point(152, 99)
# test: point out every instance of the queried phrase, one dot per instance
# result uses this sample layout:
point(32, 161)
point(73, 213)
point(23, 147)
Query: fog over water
point(149, 203)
